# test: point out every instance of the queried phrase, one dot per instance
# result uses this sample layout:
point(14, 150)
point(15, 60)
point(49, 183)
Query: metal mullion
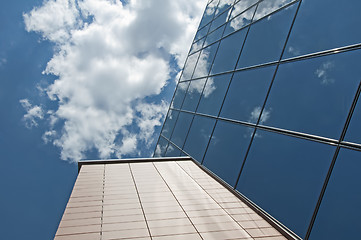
point(268, 92)
point(328, 52)
point(333, 162)
point(199, 28)
point(232, 4)
point(188, 84)
point(344, 49)
point(171, 142)
point(350, 145)
point(210, 69)
point(248, 8)
point(177, 88)
point(281, 131)
point(230, 81)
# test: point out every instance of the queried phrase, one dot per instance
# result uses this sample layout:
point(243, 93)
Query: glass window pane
point(268, 6)
point(194, 93)
point(247, 94)
point(241, 6)
point(240, 21)
point(169, 123)
point(214, 36)
point(172, 151)
point(315, 95)
point(227, 149)
point(228, 52)
point(324, 24)
point(205, 61)
point(208, 13)
point(201, 32)
point(213, 94)
point(266, 38)
point(223, 5)
point(179, 94)
point(198, 137)
point(161, 147)
point(181, 128)
point(189, 66)
point(221, 19)
point(354, 129)
point(340, 210)
point(278, 162)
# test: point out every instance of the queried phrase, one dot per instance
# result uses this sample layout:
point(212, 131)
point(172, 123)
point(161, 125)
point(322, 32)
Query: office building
point(262, 139)
point(269, 102)
point(157, 199)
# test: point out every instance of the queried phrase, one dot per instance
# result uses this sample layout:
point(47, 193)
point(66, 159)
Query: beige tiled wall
point(156, 200)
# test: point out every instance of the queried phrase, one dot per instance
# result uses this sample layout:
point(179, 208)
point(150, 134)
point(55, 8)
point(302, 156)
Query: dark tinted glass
point(189, 66)
point(247, 94)
point(314, 96)
point(161, 147)
point(169, 123)
point(205, 61)
point(324, 24)
point(179, 94)
point(213, 94)
point(198, 137)
point(354, 129)
point(227, 149)
point(228, 52)
point(181, 128)
point(284, 176)
point(194, 92)
point(340, 210)
point(266, 38)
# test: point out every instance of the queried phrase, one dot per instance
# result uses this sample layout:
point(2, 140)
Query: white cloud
point(264, 8)
point(3, 61)
point(294, 51)
point(33, 114)
point(266, 114)
point(323, 72)
point(109, 58)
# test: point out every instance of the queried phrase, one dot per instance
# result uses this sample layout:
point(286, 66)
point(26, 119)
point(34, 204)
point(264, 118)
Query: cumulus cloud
point(33, 113)
point(110, 58)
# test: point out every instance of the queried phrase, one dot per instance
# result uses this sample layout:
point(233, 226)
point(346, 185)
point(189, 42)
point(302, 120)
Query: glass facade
point(269, 101)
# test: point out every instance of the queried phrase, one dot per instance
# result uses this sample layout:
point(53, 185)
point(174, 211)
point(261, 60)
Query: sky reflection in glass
point(198, 137)
point(227, 149)
point(340, 210)
point(284, 176)
point(315, 96)
point(247, 94)
point(324, 24)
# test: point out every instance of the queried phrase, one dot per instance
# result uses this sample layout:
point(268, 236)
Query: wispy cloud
point(323, 72)
point(110, 58)
point(33, 113)
point(3, 61)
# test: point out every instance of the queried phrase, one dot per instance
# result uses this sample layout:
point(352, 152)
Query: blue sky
point(80, 80)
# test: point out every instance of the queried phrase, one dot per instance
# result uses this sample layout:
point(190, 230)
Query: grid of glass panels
point(269, 101)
